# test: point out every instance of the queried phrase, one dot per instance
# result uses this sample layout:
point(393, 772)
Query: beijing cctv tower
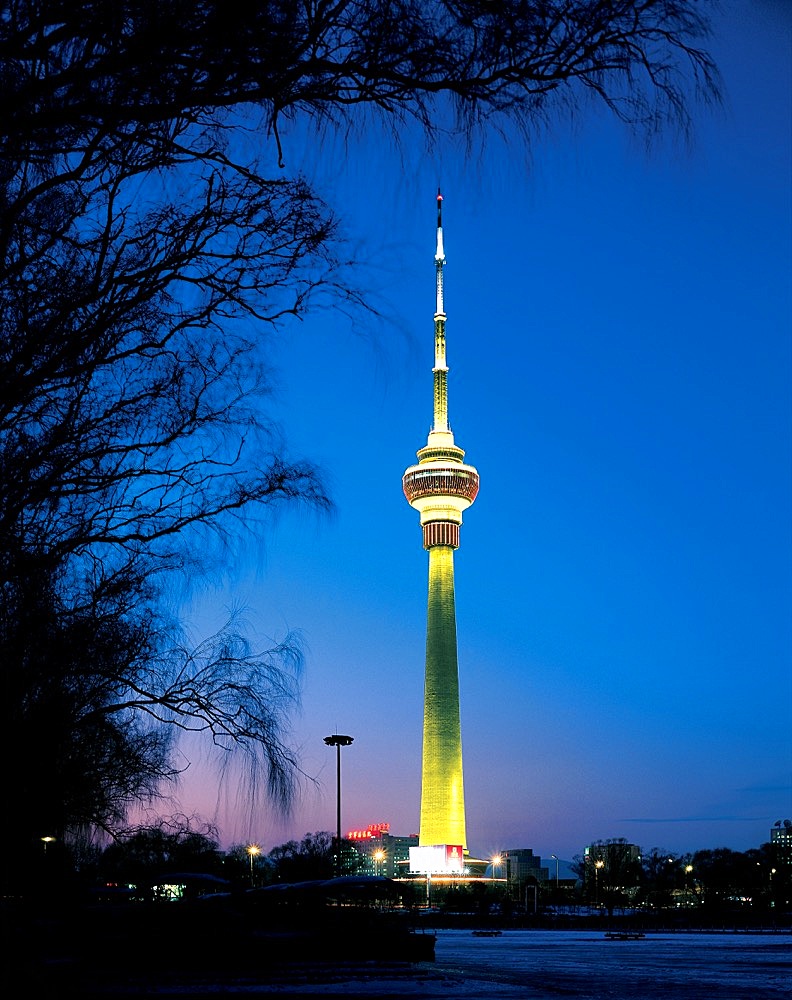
point(440, 487)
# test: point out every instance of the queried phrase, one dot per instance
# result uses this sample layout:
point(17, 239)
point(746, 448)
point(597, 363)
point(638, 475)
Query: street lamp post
point(379, 857)
point(252, 850)
point(688, 870)
point(597, 865)
point(535, 905)
point(338, 742)
point(553, 856)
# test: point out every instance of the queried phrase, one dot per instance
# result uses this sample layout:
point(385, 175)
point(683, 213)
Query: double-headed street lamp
point(338, 742)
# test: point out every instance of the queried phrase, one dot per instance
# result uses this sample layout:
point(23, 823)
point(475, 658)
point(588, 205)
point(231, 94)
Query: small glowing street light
point(496, 861)
point(47, 840)
point(688, 869)
point(599, 863)
point(555, 858)
point(379, 857)
point(253, 850)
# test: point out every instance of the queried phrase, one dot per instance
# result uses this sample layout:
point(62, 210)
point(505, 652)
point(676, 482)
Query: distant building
point(781, 843)
point(522, 865)
point(397, 854)
point(612, 853)
point(381, 853)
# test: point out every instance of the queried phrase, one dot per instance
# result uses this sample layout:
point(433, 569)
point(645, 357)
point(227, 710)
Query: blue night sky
point(621, 376)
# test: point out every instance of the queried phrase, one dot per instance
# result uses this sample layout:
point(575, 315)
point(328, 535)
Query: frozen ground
point(559, 965)
point(587, 966)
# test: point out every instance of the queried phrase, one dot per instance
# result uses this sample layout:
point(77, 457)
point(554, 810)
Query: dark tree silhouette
point(308, 860)
point(144, 253)
point(144, 855)
point(610, 872)
point(74, 72)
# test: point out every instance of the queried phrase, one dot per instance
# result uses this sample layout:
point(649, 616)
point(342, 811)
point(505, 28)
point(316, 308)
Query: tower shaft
point(442, 787)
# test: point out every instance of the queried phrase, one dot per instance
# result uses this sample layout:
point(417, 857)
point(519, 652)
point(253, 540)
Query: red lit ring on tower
point(419, 483)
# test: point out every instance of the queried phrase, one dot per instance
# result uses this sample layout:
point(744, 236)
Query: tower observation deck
point(440, 487)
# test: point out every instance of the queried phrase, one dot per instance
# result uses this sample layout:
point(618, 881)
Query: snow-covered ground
point(584, 964)
point(548, 965)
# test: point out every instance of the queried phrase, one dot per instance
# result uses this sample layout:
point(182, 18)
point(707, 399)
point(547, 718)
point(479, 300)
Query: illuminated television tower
point(440, 488)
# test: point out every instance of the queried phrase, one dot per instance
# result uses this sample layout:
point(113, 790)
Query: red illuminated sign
point(371, 831)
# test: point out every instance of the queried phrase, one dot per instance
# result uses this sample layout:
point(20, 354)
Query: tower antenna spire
point(440, 422)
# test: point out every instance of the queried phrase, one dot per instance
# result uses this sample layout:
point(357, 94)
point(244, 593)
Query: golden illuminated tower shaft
point(440, 488)
point(442, 788)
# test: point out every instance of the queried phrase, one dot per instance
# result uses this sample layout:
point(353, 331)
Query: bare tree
point(75, 71)
point(311, 858)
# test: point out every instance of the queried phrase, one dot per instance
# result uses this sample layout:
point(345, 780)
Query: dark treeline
point(702, 885)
